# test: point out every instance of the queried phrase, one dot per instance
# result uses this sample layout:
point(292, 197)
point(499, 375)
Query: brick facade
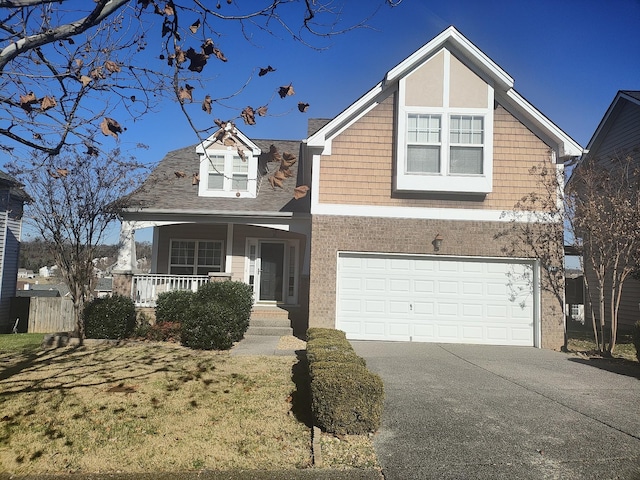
point(333, 234)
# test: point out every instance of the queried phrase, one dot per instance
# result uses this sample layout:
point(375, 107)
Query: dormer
point(228, 164)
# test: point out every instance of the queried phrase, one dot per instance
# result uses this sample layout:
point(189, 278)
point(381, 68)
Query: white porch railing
point(145, 288)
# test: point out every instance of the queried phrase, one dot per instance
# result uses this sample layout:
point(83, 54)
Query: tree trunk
point(601, 346)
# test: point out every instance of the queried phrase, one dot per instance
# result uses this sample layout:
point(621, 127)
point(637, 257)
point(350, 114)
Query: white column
point(127, 262)
point(229, 249)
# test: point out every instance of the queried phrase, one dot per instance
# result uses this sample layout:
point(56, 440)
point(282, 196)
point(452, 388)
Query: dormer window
point(229, 168)
point(228, 173)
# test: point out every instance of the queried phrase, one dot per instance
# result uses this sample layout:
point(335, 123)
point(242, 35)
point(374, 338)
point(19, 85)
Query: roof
point(104, 284)
point(621, 97)
point(15, 187)
point(163, 191)
point(475, 59)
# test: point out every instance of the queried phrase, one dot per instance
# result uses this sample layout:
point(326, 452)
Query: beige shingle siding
point(360, 169)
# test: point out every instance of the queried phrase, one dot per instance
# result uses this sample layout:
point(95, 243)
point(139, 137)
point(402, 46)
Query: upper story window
point(445, 129)
point(228, 173)
point(195, 257)
point(225, 173)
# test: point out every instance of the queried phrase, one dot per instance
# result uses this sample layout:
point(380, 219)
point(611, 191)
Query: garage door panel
point(472, 288)
point(446, 287)
point(404, 297)
point(423, 286)
point(374, 306)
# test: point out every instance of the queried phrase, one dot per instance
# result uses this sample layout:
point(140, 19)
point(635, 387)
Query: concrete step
point(269, 331)
point(269, 312)
point(269, 322)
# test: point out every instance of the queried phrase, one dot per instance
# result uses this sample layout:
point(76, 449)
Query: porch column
point(229, 249)
point(127, 262)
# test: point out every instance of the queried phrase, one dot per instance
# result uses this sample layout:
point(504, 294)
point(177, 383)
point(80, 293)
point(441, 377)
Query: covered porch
point(270, 254)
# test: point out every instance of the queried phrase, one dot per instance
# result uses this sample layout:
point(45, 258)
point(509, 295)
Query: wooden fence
point(46, 314)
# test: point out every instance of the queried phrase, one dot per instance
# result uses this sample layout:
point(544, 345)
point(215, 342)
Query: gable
point(466, 89)
point(619, 131)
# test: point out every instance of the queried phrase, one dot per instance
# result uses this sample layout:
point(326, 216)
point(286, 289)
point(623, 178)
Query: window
point(223, 173)
point(195, 257)
point(466, 135)
point(444, 151)
point(423, 144)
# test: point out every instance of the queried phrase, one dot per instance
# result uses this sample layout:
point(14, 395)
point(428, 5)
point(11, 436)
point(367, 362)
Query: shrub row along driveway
point(463, 411)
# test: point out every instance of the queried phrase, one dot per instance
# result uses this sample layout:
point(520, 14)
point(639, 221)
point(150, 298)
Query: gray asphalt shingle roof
point(163, 190)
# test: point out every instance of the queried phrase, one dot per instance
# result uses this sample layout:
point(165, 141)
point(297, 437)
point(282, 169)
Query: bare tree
point(534, 228)
point(74, 200)
point(603, 200)
point(73, 72)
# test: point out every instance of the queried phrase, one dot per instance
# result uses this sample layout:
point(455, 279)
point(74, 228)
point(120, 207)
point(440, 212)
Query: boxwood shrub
point(346, 398)
point(173, 306)
point(218, 316)
point(112, 317)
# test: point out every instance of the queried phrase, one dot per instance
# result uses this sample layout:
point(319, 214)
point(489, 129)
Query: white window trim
point(228, 190)
point(444, 181)
point(196, 265)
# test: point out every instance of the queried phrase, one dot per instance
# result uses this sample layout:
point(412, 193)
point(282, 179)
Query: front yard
point(155, 407)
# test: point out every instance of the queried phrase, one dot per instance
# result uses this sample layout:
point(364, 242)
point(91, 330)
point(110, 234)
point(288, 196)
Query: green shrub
point(173, 306)
point(346, 398)
point(635, 335)
point(209, 326)
point(237, 296)
point(112, 317)
point(329, 333)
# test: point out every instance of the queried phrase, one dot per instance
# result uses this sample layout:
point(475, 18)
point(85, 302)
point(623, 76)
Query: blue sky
point(568, 58)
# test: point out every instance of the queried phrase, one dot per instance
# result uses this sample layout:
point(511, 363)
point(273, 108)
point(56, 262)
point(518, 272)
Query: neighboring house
point(397, 237)
point(104, 287)
point(47, 272)
point(24, 273)
point(12, 199)
point(574, 295)
point(618, 135)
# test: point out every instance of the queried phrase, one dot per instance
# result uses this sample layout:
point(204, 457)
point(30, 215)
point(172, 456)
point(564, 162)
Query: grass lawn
point(155, 407)
point(581, 341)
point(20, 342)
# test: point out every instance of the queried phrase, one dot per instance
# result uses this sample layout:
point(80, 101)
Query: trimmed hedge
point(218, 315)
point(173, 306)
point(635, 335)
point(112, 317)
point(346, 398)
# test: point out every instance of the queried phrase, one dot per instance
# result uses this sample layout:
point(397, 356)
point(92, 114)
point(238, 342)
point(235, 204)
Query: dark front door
point(271, 269)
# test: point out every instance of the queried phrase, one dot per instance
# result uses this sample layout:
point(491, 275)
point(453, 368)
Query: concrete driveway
point(484, 412)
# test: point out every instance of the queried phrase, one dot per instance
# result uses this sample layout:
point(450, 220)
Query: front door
point(271, 278)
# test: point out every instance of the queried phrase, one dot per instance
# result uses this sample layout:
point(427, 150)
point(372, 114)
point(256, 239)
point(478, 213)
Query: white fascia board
point(474, 54)
point(569, 147)
point(202, 147)
point(454, 214)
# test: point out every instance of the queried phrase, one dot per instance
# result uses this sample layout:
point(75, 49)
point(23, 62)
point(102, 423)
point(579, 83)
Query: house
point(618, 135)
point(12, 199)
point(396, 239)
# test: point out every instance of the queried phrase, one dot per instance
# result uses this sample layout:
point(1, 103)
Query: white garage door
point(428, 299)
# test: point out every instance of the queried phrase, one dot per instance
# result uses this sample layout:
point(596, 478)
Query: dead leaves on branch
point(109, 126)
point(264, 71)
point(286, 91)
point(248, 115)
point(185, 93)
point(206, 104)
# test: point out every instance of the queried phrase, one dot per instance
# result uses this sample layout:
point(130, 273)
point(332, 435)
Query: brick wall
point(332, 234)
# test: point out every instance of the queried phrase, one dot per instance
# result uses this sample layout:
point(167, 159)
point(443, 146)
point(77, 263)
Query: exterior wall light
point(437, 242)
